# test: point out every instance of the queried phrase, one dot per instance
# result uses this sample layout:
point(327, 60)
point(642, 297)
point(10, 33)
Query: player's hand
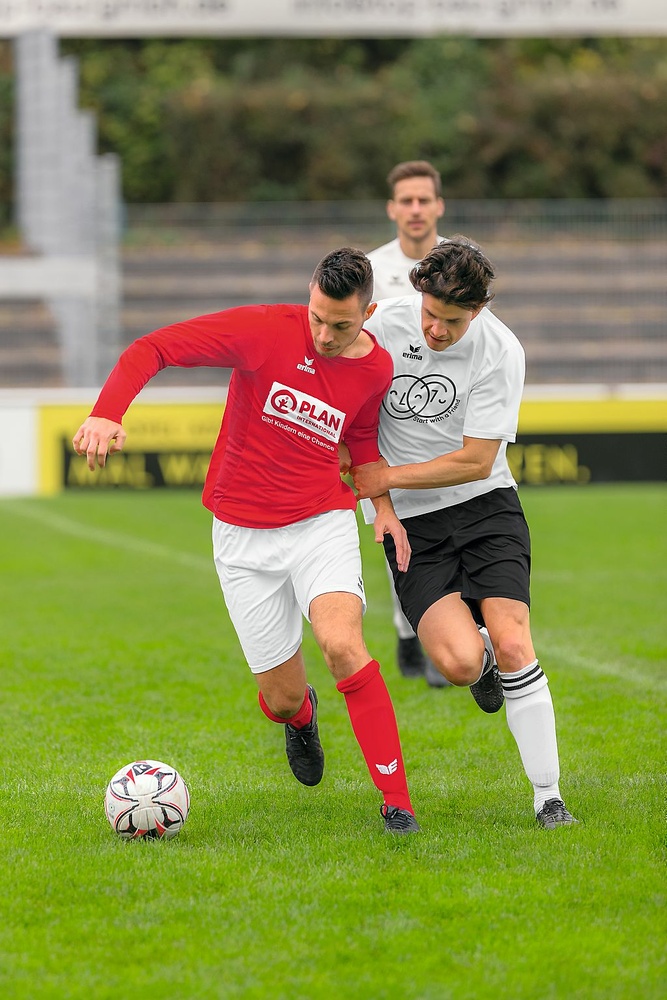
point(98, 437)
point(371, 479)
point(344, 458)
point(385, 523)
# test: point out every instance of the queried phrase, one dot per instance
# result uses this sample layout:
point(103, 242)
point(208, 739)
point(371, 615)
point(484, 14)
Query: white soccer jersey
point(390, 270)
point(472, 388)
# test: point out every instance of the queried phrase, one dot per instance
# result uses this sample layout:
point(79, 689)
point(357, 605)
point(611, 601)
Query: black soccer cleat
point(410, 657)
point(488, 690)
point(399, 820)
point(553, 813)
point(304, 750)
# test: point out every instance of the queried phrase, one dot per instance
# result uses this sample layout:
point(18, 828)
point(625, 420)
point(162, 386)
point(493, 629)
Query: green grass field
point(116, 646)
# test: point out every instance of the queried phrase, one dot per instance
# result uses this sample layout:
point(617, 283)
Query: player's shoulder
point(287, 309)
point(392, 316)
point(381, 360)
point(494, 330)
point(398, 308)
point(381, 252)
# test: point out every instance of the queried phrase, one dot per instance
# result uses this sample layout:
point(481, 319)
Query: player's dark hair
point(456, 272)
point(413, 168)
point(343, 273)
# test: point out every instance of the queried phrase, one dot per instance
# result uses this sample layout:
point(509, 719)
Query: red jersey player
point(285, 536)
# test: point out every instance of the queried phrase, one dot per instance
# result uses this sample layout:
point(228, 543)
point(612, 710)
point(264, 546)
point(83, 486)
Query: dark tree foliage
point(307, 119)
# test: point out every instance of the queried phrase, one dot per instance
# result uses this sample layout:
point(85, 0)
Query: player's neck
point(416, 249)
point(360, 347)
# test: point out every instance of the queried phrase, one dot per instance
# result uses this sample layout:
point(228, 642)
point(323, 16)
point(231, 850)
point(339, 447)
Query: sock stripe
point(511, 682)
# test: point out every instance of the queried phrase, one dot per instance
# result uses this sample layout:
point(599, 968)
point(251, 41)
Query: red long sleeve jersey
point(276, 457)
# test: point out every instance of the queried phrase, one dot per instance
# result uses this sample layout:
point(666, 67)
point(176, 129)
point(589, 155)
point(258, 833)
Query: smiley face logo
point(426, 397)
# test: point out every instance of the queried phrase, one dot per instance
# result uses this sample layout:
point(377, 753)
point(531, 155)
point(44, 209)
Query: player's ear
point(441, 207)
point(371, 309)
point(391, 210)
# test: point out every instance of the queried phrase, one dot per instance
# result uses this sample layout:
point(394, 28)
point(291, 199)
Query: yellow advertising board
point(576, 440)
point(168, 444)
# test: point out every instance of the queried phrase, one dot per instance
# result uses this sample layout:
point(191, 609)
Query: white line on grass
point(112, 539)
point(607, 668)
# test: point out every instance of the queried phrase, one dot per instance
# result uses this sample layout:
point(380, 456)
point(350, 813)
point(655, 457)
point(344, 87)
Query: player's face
point(443, 324)
point(415, 208)
point(335, 323)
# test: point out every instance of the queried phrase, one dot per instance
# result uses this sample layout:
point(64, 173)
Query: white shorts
point(269, 576)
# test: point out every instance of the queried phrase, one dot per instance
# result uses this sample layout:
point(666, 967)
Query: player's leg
point(430, 595)
point(263, 608)
point(336, 623)
point(330, 590)
point(497, 575)
point(412, 660)
point(451, 638)
point(528, 702)
point(410, 655)
point(286, 698)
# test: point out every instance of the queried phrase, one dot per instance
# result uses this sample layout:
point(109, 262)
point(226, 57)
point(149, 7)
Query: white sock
point(531, 720)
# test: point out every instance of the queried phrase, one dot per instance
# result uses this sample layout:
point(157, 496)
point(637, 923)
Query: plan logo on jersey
point(307, 366)
point(425, 398)
point(304, 411)
point(414, 353)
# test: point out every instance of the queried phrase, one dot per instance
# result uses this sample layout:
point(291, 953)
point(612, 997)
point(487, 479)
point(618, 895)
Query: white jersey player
point(445, 422)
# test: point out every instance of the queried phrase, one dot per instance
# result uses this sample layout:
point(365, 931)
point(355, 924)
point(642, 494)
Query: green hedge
point(244, 120)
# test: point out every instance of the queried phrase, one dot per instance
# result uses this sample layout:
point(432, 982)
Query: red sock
point(301, 719)
point(374, 724)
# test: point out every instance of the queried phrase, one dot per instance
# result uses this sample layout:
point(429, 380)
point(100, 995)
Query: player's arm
point(387, 523)
point(472, 462)
point(229, 339)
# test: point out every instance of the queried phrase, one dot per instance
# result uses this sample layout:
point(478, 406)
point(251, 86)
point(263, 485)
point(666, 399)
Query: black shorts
point(479, 548)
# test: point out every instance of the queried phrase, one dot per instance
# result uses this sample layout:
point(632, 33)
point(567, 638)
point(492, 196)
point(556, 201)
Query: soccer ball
point(147, 800)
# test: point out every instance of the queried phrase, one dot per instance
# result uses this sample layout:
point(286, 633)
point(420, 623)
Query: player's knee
point(512, 651)
point(343, 656)
point(457, 668)
point(284, 703)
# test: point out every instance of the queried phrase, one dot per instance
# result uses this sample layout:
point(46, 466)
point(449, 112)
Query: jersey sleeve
point(495, 399)
point(361, 436)
point(235, 338)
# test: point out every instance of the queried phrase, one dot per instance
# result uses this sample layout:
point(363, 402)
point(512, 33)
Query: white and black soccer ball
point(147, 800)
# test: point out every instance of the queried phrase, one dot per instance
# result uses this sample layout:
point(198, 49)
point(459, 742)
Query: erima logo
point(305, 411)
point(388, 768)
point(307, 366)
point(414, 354)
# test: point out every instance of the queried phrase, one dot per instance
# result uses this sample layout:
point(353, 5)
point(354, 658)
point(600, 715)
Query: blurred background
point(147, 178)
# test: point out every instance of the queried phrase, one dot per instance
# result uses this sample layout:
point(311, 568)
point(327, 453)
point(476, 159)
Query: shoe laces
point(555, 809)
point(303, 735)
point(398, 819)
